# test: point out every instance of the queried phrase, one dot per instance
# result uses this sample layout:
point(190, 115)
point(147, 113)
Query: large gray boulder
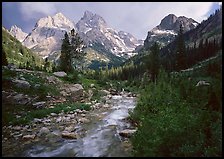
point(60, 74)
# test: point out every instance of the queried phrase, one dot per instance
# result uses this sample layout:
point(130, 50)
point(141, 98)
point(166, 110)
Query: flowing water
point(102, 134)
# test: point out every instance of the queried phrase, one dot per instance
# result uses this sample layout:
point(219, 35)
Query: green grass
point(29, 114)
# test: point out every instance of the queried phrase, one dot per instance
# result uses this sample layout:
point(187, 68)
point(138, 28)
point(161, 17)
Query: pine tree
point(154, 61)
point(77, 53)
point(71, 53)
point(65, 54)
point(180, 56)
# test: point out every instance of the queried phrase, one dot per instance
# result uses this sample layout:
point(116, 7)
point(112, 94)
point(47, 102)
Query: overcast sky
point(136, 18)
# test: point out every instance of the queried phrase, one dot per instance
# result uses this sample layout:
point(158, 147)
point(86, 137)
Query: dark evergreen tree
point(77, 54)
point(71, 53)
point(154, 61)
point(180, 56)
point(65, 58)
point(47, 65)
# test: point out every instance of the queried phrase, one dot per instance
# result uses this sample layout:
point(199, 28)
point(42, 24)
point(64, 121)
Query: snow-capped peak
point(17, 33)
point(58, 20)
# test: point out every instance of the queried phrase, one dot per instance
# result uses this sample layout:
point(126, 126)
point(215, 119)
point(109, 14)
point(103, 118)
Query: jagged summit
point(88, 14)
point(17, 33)
point(168, 28)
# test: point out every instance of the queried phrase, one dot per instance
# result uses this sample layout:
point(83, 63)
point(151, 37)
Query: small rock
point(19, 135)
point(17, 128)
point(39, 104)
point(18, 97)
point(58, 120)
point(29, 136)
point(69, 129)
point(60, 74)
point(106, 106)
point(84, 120)
point(17, 116)
point(104, 92)
point(83, 115)
point(53, 114)
point(36, 120)
point(202, 83)
point(68, 135)
point(92, 85)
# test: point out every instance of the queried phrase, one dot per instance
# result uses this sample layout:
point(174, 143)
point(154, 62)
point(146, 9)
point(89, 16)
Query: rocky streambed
point(102, 131)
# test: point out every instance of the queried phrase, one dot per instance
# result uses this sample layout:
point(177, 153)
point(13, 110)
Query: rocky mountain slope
point(93, 29)
point(168, 28)
point(46, 36)
point(18, 33)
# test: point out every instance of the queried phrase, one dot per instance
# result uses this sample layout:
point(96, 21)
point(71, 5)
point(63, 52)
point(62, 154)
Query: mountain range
point(48, 32)
point(104, 44)
point(168, 28)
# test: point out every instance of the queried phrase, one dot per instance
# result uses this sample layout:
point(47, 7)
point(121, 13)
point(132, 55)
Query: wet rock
point(21, 84)
point(92, 85)
point(27, 137)
point(127, 132)
point(39, 104)
point(69, 135)
point(60, 74)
